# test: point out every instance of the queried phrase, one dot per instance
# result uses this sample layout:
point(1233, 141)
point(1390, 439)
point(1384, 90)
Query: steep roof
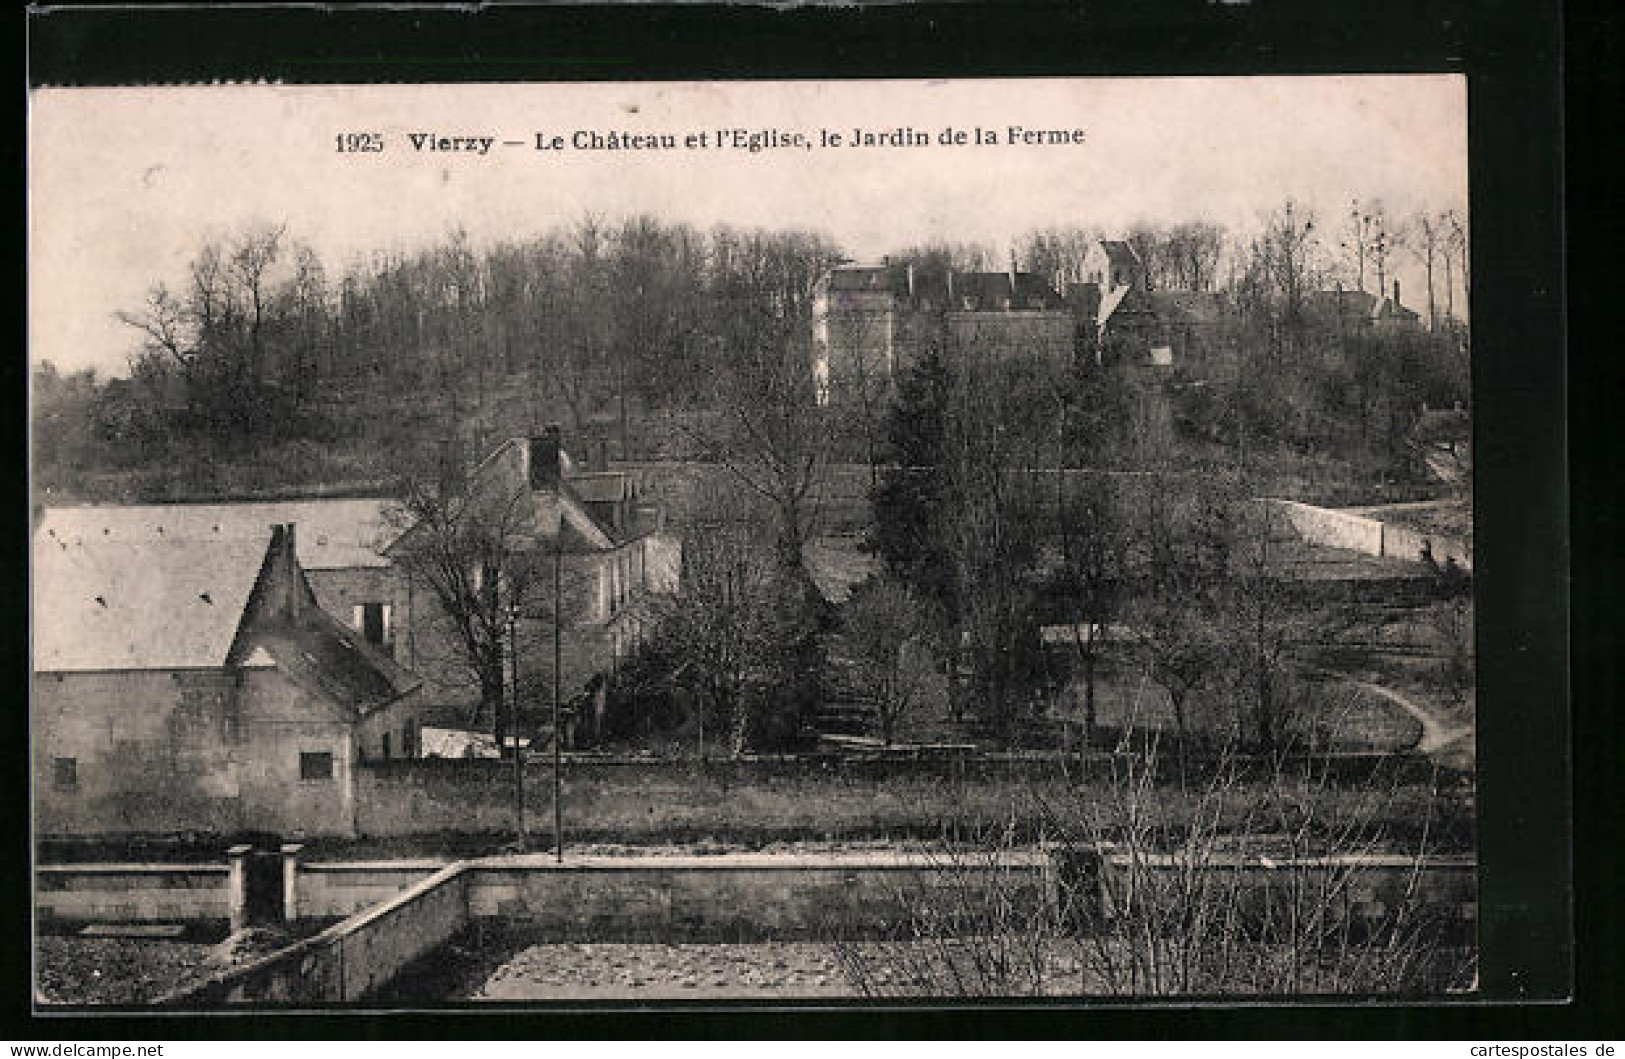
point(333, 534)
point(138, 603)
point(135, 603)
point(1121, 255)
point(315, 649)
point(861, 278)
point(989, 291)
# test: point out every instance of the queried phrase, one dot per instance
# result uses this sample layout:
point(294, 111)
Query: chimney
point(287, 593)
point(911, 279)
point(546, 459)
point(1396, 293)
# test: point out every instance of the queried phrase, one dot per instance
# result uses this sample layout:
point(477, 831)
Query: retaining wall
point(754, 897)
point(334, 890)
point(735, 897)
point(606, 899)
point(1369, 536)
point(350, 960)
point(132, 893)
point(1368, 888)
point(1335, 529)
point(1403, 542)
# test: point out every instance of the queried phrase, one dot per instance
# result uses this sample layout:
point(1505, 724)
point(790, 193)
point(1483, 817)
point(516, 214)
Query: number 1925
point(359, 142)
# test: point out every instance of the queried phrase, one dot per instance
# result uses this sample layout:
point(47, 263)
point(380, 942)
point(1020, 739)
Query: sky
point(125, 184)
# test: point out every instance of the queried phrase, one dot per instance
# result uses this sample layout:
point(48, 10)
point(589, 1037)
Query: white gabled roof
point(333, 534)
point(138, 604)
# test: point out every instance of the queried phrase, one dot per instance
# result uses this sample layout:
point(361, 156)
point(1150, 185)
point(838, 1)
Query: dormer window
point(373, 622)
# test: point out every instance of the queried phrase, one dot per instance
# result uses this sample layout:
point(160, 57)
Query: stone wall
point(1358, 531)
point(731, 897)
point(350, 960)
point(1335, 529)
point(1368, 889)
point(632, 800)
point(132, 893)
point(1403, 542)
point(667, 898)
point(177, 752)
point(335, 890)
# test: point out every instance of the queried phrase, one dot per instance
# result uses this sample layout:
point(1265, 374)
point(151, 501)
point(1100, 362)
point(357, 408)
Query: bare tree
point(479, 552)
point(1427, 245)
point(1455, 247)
point(1192, 252)
point(1286, 256)
point(720, 627)
point(780, 434)
point(1360, 234)
point(889, 634)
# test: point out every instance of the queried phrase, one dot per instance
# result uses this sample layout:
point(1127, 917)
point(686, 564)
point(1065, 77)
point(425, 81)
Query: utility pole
point(558, 730)
point(513, 729)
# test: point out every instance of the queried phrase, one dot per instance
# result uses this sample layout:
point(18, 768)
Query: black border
point(1511, 52)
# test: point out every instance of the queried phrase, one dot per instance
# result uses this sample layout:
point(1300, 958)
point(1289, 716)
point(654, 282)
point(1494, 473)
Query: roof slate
point(138, 604)
point(314, 648)
point(333, 534)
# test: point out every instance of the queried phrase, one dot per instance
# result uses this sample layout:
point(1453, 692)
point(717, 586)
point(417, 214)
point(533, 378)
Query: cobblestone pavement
point(781, 970)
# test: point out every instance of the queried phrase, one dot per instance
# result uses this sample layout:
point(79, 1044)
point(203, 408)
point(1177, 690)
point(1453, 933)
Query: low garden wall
point(1366, 888)
point(1333, 528)
point(334, 890)
point(605, 899)
point(733, 897)
point(350, 960)
point(133, 893)
point(1359, 531)
point(809, 798)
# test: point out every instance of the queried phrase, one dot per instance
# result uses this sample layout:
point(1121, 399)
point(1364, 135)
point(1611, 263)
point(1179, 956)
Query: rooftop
point(333, 534)
point(139, 603)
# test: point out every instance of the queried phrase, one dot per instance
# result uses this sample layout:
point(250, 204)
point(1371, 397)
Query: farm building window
point(65, 773)
point(386, 746)
point(315, 765)
point(407, 748)
point(372, 621)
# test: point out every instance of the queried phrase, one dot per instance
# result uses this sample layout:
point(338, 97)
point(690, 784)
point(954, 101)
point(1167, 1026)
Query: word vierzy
point(428, 141)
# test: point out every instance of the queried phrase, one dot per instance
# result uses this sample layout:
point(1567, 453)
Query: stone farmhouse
point(217, 668)
point(195, 685)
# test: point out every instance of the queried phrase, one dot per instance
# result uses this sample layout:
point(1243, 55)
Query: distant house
point(1390, 312)
point(1112, 264)
point(195, 685)
point(869, 322)
point(1128, 319)
point(1344, 310)
point(614, 554)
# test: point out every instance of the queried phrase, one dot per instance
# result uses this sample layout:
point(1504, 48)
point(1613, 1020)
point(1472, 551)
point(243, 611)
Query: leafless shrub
point(1248, 877)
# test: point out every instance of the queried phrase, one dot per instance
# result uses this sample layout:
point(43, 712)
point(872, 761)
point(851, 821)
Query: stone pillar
point(290, 881)
point(237, 857)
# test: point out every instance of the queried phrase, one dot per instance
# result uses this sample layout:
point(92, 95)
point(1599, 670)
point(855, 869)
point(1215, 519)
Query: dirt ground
point(72, 969)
